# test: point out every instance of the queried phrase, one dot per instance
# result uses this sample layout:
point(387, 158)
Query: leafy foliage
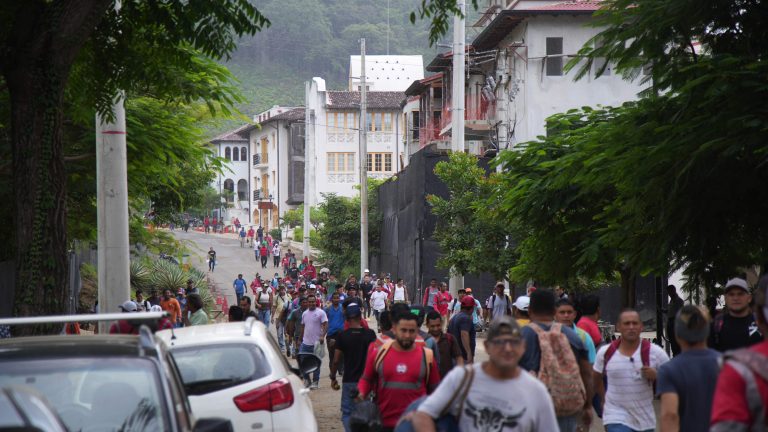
point(295, 217)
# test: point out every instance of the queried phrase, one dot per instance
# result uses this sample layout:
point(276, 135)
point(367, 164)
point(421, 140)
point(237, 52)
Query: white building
point(334, 126)
point(277, 164)
point(386, 72)
point(234, 180)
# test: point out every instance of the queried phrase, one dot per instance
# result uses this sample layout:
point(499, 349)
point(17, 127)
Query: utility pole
point(457, 110)
point(112, 210)
point(309, 153)
point(363, 163)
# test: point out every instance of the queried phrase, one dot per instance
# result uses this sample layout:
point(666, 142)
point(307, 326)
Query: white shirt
point(276, 250)
point(629, 397)
point(379, 300)
point(520, 404)
point(265, 292)
point(399, 293)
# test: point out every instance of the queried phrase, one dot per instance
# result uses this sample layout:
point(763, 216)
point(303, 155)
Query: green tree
point(144, 47)
point(472, 238)
point(295, 217)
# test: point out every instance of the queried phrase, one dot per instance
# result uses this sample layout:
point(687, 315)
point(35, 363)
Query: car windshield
point(209, 368)
point(95, 394)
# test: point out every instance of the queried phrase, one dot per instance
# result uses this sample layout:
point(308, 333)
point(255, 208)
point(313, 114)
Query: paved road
point(232, 260)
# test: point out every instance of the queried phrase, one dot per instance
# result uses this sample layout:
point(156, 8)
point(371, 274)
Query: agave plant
point(167, 275)
point(140, 276)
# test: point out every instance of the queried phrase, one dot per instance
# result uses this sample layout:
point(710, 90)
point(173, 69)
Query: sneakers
point(307, 383)
point(315, 385)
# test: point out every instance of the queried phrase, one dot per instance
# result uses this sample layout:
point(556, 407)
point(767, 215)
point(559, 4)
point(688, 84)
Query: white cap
point(522, 303)
point(367, 271)
point(737, 282)
point(128, 306)
point(312, 286)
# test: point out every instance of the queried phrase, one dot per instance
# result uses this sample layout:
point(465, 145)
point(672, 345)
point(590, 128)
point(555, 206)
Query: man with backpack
point(741, 395)
point(447, 351)
point(736, 326)
point(629, 365)
point(495, 395)
point(556, 355)
point(280, 315)
point(399, 372)
point(500, 303)
point(463, 330)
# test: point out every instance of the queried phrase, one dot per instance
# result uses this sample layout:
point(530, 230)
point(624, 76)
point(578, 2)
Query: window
point(235, 154)
point(341, 162)
point(379, 162)
point(228, 153)
point(229, 186)
point(242, 190)
point(243, 154)
point(205, 369)
point(554, 64)
point(378, 122)
point(387, 126)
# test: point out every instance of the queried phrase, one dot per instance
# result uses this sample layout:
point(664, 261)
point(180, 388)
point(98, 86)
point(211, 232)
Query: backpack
point(559, 371)
point(717, 327)
point(749, 364)
point(509, 303)
point(645, 357)
point(428, 357)
point(446, 422)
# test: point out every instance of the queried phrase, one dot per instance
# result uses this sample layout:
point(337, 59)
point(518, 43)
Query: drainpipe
point(277, 171)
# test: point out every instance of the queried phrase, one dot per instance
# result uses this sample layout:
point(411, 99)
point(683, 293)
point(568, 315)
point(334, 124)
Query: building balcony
point(260, 160)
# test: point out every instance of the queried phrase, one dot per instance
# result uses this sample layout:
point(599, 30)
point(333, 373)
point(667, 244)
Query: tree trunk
point(42, 47)
point(627, 287)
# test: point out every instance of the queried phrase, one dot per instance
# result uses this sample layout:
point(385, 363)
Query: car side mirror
point(308, 363)
point(213, 424)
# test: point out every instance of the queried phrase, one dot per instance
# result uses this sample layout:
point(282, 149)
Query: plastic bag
point(320, 350)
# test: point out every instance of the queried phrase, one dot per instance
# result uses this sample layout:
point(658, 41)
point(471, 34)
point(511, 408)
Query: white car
point(235, 370)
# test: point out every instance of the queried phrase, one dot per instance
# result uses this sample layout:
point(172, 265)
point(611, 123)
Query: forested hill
point(315, 38)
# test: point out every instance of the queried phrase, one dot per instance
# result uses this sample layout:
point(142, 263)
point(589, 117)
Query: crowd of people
point(541, 345)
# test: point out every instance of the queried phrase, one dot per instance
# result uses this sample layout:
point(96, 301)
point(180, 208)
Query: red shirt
point(730, 402)
point(441, 302)
point(589, 326)
point(251, 233)
point(399, 368)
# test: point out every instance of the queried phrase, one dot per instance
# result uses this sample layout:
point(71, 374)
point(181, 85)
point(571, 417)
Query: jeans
point(618, 427)
point(347, 403)
point(310, 349)
point(239, 295)
point(568, 424)
point(264, 261)
point(275, 261)
point(264, 316)
point(211, 264)
point(377, 315)
point(280, 329)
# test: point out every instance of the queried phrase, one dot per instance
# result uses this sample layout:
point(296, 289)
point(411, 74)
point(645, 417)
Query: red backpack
point(645, 357)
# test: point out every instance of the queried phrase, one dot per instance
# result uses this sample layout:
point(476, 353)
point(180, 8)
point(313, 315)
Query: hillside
point(315, 38)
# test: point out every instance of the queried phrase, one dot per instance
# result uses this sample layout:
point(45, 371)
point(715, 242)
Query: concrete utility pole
point(363, 163)
point(309, 153)
point(457, 109)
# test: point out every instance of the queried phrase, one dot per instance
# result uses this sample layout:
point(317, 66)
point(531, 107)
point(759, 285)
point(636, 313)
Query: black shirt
point(294, 273)
point(212, 255)
point(367, 287)
point(733, 332)
point(353, 343)
point(352, 285)
point(463, 321)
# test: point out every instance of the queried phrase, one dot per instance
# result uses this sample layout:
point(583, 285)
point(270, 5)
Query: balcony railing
point(257, 195)
point(256, 159)
point(260, 159)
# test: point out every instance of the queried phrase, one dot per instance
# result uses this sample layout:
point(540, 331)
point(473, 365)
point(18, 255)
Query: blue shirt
point(239, 285)
point(463, 322)
point(335, 319)
point(588, 344)
point(692, 376)
point(531, 359)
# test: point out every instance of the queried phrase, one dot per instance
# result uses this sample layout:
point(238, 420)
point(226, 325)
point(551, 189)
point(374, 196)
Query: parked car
point(236, 370)
point(24, 409)
point(104, 382)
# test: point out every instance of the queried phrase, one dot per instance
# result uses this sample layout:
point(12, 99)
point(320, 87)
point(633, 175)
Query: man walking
point(211, 259)
point(501, 304)
point(736, 326)
point(366, 289)
point(429, 293)
point(171, 305)
point(242, 234)
point(351, 346)
point(742, 388)
point(565, 314)
point(675, 304)
point(276, 255)
point(499, 395)
point(397, 372)
point(260, 234)
point(314, 326)
point(447, 351)
point(572, 364)
point(686, 383)
point(293, 326)
point(629, 365)
point(239, 286)
point(335, 314)
point(264, 255)
point(463, 330)
point(590, 313)
point(378, 302)
point(442, 300)
point(279, 315)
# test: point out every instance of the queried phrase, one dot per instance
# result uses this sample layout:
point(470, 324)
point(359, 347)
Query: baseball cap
point(366, 271)
point(155, 308)
point(312, 286)
point(522, 303)
point(468, 301)
point(128, 306)
point(503, 325)
point(353, 311)
point(736, 283)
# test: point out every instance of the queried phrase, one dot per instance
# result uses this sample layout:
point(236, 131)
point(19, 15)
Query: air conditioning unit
point(257, 195)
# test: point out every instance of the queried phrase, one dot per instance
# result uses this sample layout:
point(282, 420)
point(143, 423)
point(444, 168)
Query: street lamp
point(270, 210)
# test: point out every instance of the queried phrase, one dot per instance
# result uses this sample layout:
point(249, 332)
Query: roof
point(210, 334)
point(444, 60)
point(293, 115)
point(376, 99)
point(507, 19)
point(418, 86)
point(238, 134)
point(71, 346)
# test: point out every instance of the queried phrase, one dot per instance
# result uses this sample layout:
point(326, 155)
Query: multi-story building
point(385, 72)
point(233, 182)
point(277, 164)
point(335, 128)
